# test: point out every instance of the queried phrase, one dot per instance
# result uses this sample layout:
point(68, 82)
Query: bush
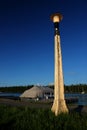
point(19, 118)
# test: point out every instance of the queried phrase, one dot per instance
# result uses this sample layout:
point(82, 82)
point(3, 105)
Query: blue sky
point(27, 41)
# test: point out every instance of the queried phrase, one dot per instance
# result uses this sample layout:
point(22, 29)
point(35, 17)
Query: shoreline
point(40, 104)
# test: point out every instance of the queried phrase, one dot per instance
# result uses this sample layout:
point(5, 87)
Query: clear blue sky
point(27, 41)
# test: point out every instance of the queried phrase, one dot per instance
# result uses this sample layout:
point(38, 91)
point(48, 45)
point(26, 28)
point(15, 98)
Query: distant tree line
point(78, 88)
point(15, 89)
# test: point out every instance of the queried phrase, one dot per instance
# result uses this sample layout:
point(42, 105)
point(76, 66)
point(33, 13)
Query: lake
point(10, 95)
point(82, 98)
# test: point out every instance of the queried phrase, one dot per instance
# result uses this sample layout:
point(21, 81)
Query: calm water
point(73, 95)
point(3, 94)
point(82, 98)
point(68, 95)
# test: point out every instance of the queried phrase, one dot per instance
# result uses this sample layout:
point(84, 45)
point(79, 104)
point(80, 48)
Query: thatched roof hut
point(37, 92)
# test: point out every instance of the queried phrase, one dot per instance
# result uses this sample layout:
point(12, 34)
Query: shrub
point(19, 118)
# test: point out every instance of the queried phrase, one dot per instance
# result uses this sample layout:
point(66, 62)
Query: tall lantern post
point(59, 104)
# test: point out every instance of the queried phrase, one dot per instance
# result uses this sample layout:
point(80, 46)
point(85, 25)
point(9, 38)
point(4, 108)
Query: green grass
point(24, 118)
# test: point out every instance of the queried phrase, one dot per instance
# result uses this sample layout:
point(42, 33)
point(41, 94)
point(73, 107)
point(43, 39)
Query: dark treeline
point(15, 89)
point(78, 88)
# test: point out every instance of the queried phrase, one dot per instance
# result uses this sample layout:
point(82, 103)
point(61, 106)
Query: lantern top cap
point(56, 17)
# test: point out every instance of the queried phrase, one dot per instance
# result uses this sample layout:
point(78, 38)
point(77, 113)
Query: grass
point(25, 118)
